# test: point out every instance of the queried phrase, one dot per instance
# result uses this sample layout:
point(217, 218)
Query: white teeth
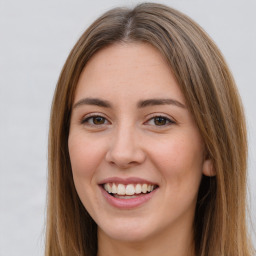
point(107, 188)
point(121, 189)
point(114, 188)
point(144, 188)
point(138, 189)
point(128, 190)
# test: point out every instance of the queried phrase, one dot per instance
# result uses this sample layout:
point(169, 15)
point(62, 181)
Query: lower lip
point(127, 203)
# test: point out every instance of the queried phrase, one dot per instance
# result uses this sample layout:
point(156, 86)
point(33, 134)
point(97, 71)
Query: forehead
point(128, 69)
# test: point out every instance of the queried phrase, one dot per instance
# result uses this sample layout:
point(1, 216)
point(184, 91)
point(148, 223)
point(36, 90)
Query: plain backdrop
point(35, 39)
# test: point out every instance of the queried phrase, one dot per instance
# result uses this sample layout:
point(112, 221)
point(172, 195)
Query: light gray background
point(35, 39)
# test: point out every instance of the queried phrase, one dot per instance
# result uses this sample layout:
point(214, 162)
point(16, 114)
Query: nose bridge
point(124, 149)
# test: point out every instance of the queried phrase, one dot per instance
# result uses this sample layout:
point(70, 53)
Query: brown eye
point(95, 120)
point(160, 121)
point(98, 120)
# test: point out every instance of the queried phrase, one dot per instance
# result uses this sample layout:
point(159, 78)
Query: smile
point(127, 191)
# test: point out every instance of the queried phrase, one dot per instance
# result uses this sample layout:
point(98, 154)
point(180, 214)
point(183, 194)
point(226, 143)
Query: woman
point(147, 143)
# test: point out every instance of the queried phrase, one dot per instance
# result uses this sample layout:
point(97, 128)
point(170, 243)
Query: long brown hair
point(212, 97)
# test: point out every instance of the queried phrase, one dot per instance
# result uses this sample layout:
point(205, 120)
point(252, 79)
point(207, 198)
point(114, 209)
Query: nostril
point(123, 165)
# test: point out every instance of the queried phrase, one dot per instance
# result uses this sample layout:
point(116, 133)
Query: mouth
point(128, 191)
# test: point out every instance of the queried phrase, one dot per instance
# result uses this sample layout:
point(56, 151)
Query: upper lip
point(125, 181)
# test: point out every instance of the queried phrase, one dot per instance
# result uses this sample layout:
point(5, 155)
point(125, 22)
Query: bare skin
point(164, 244)
point(130, 120)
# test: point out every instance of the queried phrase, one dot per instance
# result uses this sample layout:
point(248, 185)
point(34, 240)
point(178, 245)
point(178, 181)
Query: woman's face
point(136, 153)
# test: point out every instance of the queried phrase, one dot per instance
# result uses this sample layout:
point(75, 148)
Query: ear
point(208, 169)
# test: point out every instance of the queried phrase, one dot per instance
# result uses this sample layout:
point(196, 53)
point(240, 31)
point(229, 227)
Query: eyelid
point(170, 120)
point(86, 117)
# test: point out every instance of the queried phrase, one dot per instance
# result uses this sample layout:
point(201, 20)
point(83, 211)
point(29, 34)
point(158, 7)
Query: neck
point(178, 243)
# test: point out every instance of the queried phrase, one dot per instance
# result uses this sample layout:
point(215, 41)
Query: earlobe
point(208, 169)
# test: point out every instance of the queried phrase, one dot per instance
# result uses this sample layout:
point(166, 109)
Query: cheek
point(180, 161)
point(85, 155)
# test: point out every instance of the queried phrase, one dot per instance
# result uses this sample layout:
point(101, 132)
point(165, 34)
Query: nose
point(125, 150)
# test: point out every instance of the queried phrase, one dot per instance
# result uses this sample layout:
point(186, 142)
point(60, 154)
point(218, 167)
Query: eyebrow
point(141, 104)
point(93, 101)
point(154, 102)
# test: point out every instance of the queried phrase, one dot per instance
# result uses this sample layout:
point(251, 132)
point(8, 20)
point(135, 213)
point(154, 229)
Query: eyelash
point(93, 117)
point(167, 120)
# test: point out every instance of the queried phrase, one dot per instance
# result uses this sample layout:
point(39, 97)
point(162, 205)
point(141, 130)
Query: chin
point(128, 231)
point(130, 237)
